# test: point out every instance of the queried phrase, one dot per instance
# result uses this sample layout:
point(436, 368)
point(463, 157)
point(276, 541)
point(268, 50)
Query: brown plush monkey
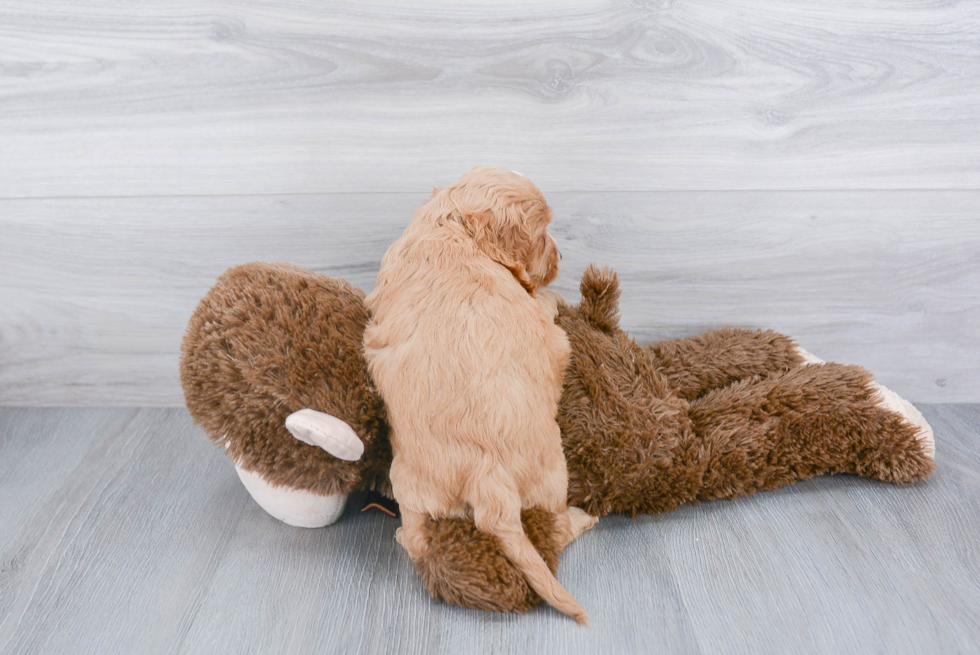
point(272, 369)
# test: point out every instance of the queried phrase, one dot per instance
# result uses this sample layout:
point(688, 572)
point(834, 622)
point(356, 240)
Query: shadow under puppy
point(465, 352)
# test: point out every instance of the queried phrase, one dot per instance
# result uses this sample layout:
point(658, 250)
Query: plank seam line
point(424, 192)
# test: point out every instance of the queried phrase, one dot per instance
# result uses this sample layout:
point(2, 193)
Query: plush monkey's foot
point(891, 401)
point(808, 357)
point(888, 399)
point(296, 507)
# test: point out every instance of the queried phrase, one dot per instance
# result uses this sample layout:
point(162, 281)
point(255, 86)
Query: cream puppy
point(464, 350)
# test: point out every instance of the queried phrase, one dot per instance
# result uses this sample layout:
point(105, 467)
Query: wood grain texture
point(230, 97)
point(29, 474)
point(117, 559)
point(147, 542)
point(96, 293)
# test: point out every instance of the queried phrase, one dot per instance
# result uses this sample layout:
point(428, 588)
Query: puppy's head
point(507, 217)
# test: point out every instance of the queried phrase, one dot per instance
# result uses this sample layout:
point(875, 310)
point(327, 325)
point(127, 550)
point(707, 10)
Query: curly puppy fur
point(470, 365)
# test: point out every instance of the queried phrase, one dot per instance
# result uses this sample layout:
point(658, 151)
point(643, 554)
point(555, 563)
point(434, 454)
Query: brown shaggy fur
point(692, 370)
point(268, 340)
point(767, 423)
point(463, 563)
point(644, 429)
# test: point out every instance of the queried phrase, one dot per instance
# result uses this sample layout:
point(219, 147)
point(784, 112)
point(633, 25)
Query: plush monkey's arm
point(713, 360)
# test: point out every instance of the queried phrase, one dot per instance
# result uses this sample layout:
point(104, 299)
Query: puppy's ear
point(505, 239)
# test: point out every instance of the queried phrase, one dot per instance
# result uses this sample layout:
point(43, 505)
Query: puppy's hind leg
point(573, 523)
point(413, 535)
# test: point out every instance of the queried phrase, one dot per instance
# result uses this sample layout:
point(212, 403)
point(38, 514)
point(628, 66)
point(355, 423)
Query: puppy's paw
point(581, 520)
point(415, 543)
point(549, 300)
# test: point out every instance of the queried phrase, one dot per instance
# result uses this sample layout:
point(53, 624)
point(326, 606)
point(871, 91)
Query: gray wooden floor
point(125, 531)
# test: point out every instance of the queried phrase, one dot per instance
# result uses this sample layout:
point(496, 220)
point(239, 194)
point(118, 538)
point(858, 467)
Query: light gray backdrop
point(812, 167)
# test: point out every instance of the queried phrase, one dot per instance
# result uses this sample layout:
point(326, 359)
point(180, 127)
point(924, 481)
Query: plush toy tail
point(600, 298)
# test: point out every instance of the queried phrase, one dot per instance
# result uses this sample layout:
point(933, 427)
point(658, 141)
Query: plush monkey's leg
point(763, 433)
point(715, 359)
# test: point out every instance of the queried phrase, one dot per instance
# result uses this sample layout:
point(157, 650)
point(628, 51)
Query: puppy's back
point(460, 351)
point(470, 366)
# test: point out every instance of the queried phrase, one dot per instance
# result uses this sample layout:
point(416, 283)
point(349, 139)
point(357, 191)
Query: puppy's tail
point(502, 518)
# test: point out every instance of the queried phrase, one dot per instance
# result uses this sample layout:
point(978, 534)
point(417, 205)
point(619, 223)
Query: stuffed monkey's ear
point(504, 243)
point(600, 298)
point(327, 432)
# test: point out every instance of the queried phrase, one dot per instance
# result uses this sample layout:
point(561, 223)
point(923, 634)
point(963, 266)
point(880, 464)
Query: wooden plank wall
point(811, 167)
